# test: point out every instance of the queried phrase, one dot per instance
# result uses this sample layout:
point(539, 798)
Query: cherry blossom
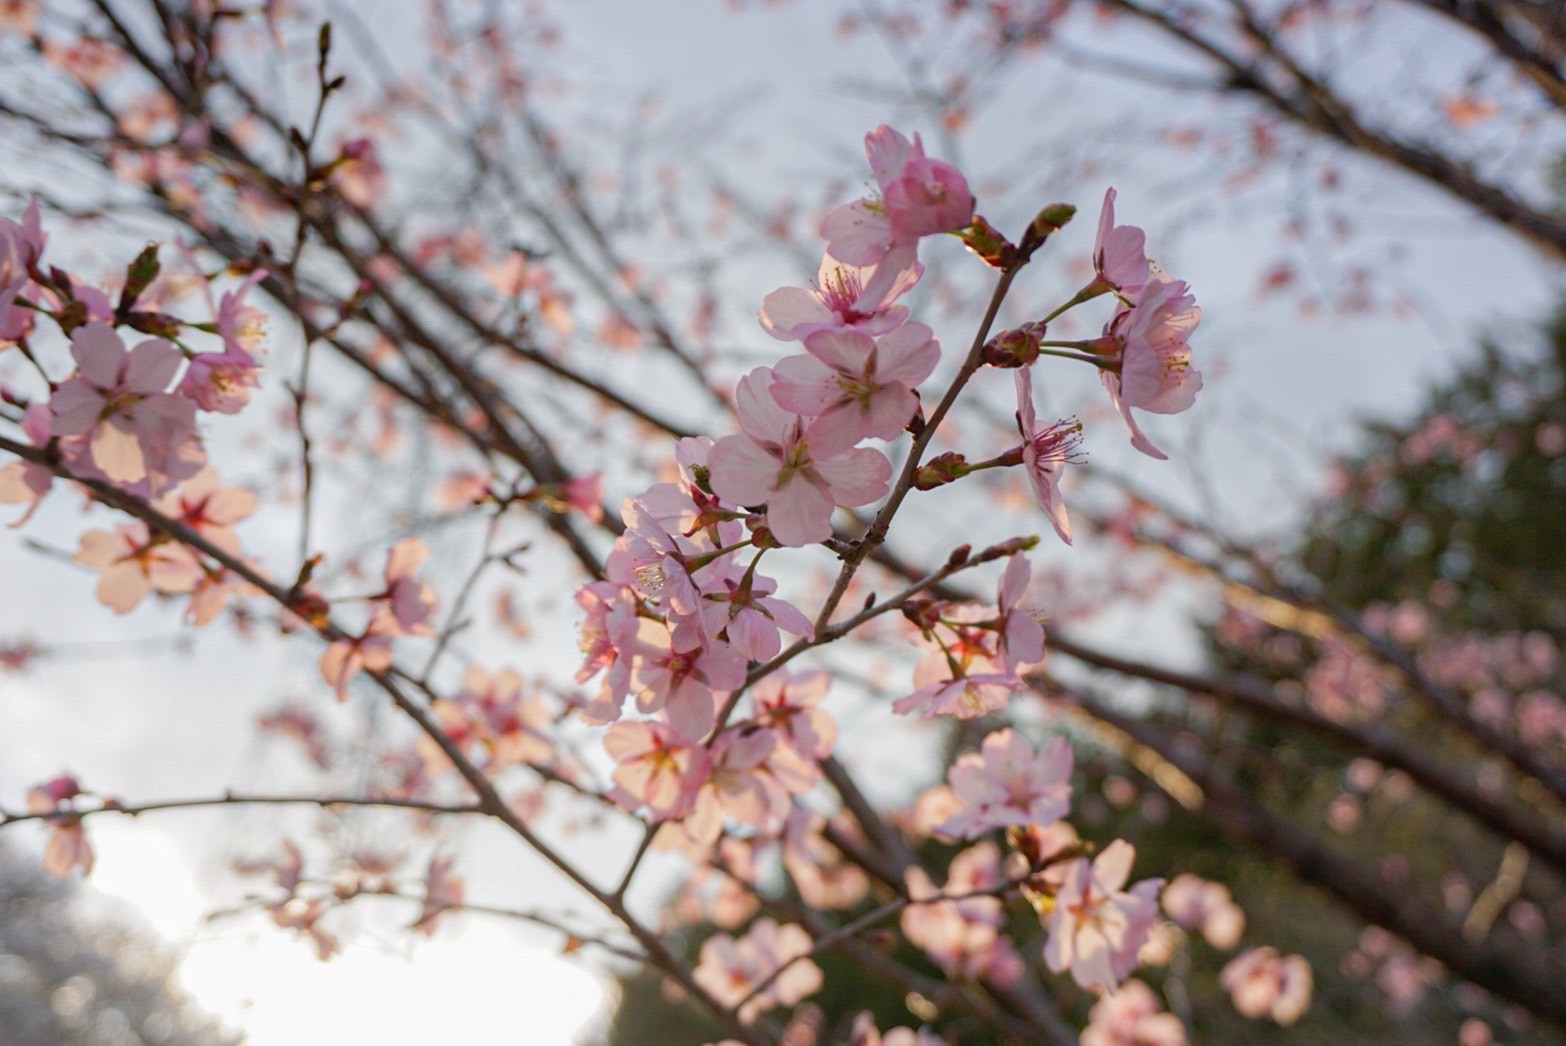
point(845, 297)
point(442, 892)
point(1005, 783)
point(1132, 1016)
point(1045, 454)
point(209, 509)
point(410, 601)
point(21, 245)
point(798, 472)
point(656, 767)
point(133, 563)
point(1096, 928)
point(737, 788)
point(918, 197)
point(856, 385)
point(1021, 634)
point(1119, 254)
point(789, 704)
point(1195, 903)
point(118, 397)
point(370, 651)
point(68, 847)
point(1264, 984)
point(731, 968)
point(1153, 362)
point(25, 482)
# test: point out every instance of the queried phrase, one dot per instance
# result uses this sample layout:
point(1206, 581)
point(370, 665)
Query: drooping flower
point(1045, 454)
point(1153, 369)
point(1119, 254)
point(1096, 928)
point(1021, 634)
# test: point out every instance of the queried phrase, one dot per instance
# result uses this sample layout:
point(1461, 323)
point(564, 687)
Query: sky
point(1284, 390)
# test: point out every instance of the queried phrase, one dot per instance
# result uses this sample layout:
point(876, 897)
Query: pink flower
point(24, 482)
point(220, 381)
point(737, 787)
point(1264, 984)
point(133, 564)
point(209, 509)
point(1022, 636)
point(442, 892)
point(1005, 784)
point(656, 767)
point(1195, 903)
point(846, 297)
point(411, 601)
point(1096, 929)
point(1045, 454)
point(1132, 1016)
point(680, 683)
point(788, 705)
point(118, 397)
point(963, 936)
point(370, 651)
point(1153, 365)
point(21, 245)
point(731, 968)
point(68, 848)
point(798, 472)
point(855, 385)
point(919, 197)
point(1119, 253)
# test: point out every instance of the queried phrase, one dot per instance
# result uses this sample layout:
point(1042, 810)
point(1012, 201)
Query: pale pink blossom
point(848, 297)
point(1021, 634)
point(1132, 1016)
point(133, 564)
point(68, 848)
point(1197, 904)
point(731, 968)
point(960, 933)
point(681, 683)
point(855, 385)
point(738, 604)
point(220, 382)
point(26, 482)
point(656, 767)
point(442, 892)
point(1152, 368)
point(1045, 454)
point(370, 651)
point(209, 508)
point(410, 601)
point(1096, 927)
point(1119, 254)
point(864, 1033)
point(1264, 984)
point(118, 398)
point(789, 704)
point(799, 473)
point(737, 788)
point(918, 197)
point(962, 679)
point(21, 245)
point(1006, 783)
